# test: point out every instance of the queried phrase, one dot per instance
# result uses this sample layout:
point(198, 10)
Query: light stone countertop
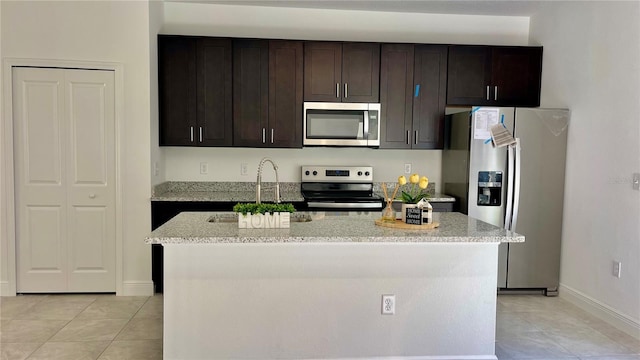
point(329, 227)
point(240, 192)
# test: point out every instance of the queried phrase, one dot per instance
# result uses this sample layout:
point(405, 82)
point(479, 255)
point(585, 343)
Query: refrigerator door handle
point(510, 170)
point(516, 194)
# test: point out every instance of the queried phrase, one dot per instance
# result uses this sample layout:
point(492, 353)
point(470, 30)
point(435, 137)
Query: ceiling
point(459, 7)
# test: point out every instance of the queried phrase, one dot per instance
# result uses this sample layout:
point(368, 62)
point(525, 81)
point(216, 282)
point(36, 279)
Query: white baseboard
point(5, 289)
point(137, 288)
point(602, 311)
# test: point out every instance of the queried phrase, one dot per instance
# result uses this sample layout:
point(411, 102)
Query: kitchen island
point(314, 291)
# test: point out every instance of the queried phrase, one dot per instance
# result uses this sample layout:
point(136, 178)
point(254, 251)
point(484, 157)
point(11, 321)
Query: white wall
point(156, 18)
point(321, 24)
point(592, 66)
point(102, 32)
point(3, 209)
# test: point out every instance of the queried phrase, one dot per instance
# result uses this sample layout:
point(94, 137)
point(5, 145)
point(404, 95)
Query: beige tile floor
point(75, 327)
point(537, 327)
point(102, 327)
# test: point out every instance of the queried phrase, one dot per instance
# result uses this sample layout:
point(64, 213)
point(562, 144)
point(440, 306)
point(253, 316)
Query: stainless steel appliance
point(520, 187)
point(341, 124)
point(339, 188)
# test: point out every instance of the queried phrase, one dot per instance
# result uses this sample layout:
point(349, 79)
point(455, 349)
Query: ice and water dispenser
point(489, 188)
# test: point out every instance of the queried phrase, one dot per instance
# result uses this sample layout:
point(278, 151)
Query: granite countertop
point(341, 227)
point(241, 192)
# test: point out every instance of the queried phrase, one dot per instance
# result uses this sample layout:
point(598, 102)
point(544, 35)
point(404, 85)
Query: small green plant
point(262, 208)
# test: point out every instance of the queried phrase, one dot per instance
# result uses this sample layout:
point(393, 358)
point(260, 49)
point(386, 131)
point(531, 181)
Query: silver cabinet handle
point(200, 133)
point(337, 90)
point(408, 132)
point(346, 90)
point(191, 127)
point(92, 196)
point(264, 135)
point(495, 93)
point(272, 136)
point(487, 92)
point(415, 139)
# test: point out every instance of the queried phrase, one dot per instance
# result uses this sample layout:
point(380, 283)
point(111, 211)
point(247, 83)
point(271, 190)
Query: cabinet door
point(177, 89)
point(215, 126)
point(322, 71)
point(396, 95)
point(430, 81)
point(469, 74)
point(285, 93)
point(516, 73)
point(250, 92)
point(361, 72)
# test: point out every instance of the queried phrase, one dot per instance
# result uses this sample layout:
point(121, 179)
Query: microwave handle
point(366, 125)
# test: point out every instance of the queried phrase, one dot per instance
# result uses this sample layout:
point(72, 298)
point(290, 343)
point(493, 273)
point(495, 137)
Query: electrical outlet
point(244, 169)
point(407, 168)
point(156, 169)
point(204, 168)
point(617, 267)
point(388, 304)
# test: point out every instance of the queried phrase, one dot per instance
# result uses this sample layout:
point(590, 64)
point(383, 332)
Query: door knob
point(92, 196)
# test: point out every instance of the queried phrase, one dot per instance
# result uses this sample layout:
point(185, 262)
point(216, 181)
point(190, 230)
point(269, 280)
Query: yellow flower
point(424, 182)
point(402, 180)
point(414, 179)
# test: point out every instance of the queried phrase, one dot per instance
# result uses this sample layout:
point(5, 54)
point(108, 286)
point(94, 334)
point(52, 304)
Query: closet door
point(64, 143)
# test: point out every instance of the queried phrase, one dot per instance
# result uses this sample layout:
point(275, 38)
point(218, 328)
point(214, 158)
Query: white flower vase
point(406, 206)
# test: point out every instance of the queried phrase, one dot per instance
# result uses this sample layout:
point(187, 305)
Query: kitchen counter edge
point(194, 228)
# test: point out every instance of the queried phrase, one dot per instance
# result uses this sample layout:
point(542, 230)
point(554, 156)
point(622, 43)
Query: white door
point(64, 140)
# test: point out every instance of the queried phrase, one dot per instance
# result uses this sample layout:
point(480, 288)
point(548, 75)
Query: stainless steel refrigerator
point(519, 187)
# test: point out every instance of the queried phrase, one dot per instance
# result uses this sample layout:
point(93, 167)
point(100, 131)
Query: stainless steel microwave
point(341, 124)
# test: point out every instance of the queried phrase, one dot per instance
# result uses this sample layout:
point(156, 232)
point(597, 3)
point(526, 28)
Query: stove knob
point(315, 173)
point(306, 172)
point(359, 173)
point(367, 173)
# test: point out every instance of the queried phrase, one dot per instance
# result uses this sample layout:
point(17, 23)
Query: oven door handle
point(335, 205)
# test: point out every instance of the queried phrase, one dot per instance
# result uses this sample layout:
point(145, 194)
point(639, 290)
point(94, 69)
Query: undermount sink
point(233, 218)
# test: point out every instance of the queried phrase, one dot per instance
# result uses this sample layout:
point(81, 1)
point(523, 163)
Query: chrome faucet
point(259, 181)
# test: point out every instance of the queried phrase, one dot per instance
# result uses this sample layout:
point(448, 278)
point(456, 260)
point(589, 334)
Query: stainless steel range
point(339, 188)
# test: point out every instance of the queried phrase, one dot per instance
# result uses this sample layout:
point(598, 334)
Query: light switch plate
point(636, 181)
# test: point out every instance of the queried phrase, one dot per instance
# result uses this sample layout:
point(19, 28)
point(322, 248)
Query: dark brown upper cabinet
point(412, 95)
point(430, 95)
point(194, 78)
point(267, 93)
point(494, 75)
point(396, 95)
point(341, 72)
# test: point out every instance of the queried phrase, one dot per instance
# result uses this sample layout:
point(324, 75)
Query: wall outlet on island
point(407, 168)
point(617, 268)
point(388, 304)
point(244, 169)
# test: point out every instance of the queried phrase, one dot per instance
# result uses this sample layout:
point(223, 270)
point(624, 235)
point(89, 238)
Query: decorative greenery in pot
point(262, 208)
point(416, 191)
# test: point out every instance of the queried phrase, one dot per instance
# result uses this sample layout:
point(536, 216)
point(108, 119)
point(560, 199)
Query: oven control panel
point(337, 174)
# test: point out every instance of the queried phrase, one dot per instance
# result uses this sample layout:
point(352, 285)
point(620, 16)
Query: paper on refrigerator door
point(484, 119)
point(501, 136)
